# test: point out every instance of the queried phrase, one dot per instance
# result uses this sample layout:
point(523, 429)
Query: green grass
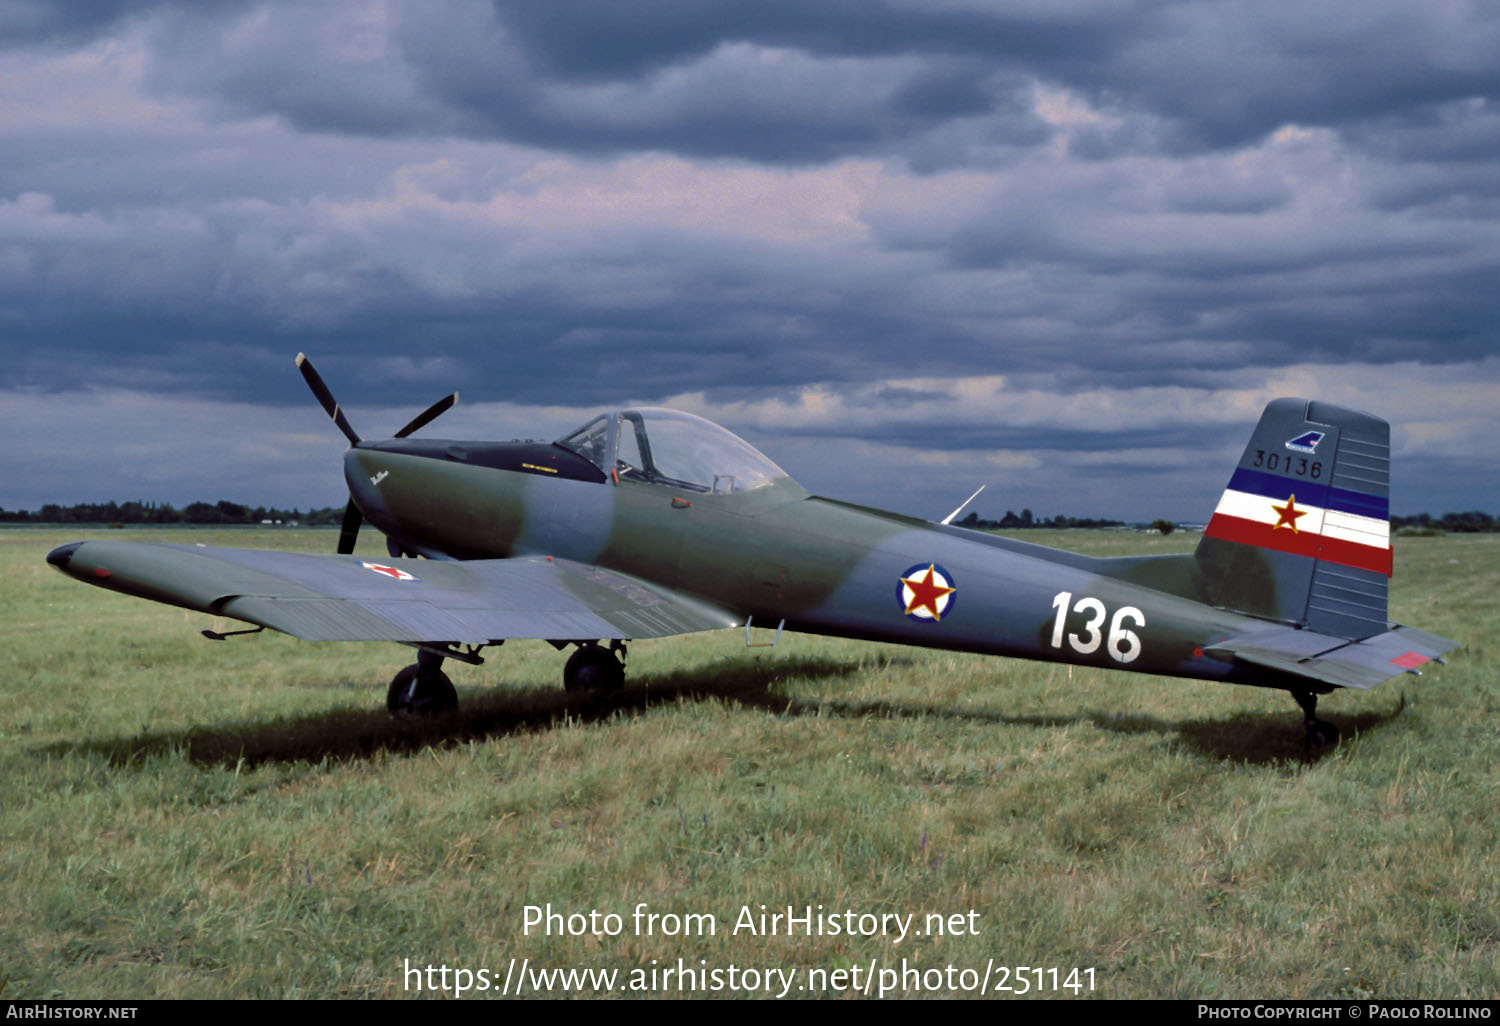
point(180, 817)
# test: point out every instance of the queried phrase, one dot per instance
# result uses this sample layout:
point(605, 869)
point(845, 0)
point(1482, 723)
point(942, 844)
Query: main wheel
point(420, 691)
point(593, 669)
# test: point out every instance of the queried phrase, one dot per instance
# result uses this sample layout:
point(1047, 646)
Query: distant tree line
point(221, 512)
point(1027, 519)
point(1473, 522)
point(224, 512)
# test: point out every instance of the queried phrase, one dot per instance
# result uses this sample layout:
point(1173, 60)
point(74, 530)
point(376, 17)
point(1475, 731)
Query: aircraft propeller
point(349, 530)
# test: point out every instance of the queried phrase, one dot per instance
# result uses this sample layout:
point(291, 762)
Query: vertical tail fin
point(1302, 532)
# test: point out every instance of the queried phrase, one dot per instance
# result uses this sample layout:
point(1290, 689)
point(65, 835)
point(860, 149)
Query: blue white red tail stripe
point(1258, 482)
point(1305, 519)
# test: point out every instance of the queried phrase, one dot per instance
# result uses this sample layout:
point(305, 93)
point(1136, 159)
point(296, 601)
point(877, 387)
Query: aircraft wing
point(348, 598)
point(1338, 661)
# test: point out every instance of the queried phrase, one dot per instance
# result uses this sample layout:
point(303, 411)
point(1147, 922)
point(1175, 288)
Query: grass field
point(185, 818)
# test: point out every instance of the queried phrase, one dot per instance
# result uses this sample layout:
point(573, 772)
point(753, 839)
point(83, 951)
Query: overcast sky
point(905, 247)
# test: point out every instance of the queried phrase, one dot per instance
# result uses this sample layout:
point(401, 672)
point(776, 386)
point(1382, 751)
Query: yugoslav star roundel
point(395, 573)
point(926, 592)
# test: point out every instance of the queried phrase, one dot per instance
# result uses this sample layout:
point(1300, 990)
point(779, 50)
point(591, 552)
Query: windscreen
point(682, 451)
point(589, 440)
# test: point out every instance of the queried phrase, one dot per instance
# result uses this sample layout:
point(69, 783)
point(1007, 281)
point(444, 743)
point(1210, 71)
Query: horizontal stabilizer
point(1337, 661)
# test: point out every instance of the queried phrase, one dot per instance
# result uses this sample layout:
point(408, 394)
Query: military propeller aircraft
point(649, 522)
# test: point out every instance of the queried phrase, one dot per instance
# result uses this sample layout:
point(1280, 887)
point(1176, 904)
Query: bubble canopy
point(673, 449)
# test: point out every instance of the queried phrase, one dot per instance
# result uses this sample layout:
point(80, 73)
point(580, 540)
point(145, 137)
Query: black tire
point(420, 693)
point(593, 670)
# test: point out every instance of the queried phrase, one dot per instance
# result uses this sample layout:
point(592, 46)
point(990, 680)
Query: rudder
point(1302, 532)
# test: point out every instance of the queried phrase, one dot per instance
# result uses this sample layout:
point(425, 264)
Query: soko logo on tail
point(1305, 442)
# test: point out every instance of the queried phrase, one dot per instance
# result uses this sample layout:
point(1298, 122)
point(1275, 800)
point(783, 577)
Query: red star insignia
point(925, 593)
point(1288, 514)
point(389, 571)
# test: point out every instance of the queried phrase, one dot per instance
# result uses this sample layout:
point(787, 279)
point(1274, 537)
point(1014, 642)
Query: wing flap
point(345, 598)
point(1337, 661)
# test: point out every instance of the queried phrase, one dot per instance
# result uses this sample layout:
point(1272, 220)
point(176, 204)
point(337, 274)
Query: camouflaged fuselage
point(778, 553)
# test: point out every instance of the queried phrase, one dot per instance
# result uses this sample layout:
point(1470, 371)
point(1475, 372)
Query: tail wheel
point(593, 670)
point(421, 691)
point(1320, 733)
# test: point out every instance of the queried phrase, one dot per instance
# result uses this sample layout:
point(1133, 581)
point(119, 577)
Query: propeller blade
point(430, 414)
point(350, 529)
point(328, 402)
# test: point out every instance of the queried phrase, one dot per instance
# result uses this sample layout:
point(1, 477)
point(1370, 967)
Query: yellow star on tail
point(1288, 514)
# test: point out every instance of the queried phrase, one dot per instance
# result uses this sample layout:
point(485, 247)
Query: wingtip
point(301, 359)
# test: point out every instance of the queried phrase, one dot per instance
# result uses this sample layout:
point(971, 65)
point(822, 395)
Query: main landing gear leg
point(1319, 732)
point(422, 689)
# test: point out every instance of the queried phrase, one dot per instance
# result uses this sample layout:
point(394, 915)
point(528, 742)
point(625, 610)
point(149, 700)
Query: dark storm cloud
point(817, 80)
point(689, 84)
point(599, 38)
point(758, 208)
point(40, 21)
point(803, 82)
point(49, 24)
point(1229, 73)
point(1224, 73)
